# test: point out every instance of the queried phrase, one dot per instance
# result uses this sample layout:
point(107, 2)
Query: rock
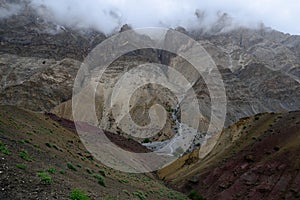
point(249, 158)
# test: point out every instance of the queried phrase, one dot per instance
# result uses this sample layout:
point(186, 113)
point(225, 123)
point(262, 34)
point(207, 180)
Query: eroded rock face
point(259, 68)
point(139, 103)
point(34, 83)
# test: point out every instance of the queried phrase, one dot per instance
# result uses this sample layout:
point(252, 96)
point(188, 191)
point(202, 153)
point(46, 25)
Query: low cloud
point(108, 16)
point(9, 9)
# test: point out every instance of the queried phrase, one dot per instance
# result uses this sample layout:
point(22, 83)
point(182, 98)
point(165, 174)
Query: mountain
point(39, 61)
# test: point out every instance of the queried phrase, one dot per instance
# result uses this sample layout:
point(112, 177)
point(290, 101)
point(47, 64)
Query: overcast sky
point(107, 15)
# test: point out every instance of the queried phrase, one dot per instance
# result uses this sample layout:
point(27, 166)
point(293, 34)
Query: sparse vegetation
point(79, 165)
point(24, 155)
point(48, 144)
point(102, 173)
point(88, 170)
point(51, 170)
point(45, 177)
point(21, 166)
point(126, 192)
point(100, 179)
point(146, 140)
point(21, 141)
point(123, 181)
point(139, 194)
point(3, 149)
point(169, 109)
point(77, 194)
point(195, 196)
point(71, 166)
point(110, 198)
point(51, 145)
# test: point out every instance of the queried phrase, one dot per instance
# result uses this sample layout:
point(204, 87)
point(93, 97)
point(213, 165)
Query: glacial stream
point(184, 139)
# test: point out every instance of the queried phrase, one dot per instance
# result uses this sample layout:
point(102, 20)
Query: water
point(182, 141)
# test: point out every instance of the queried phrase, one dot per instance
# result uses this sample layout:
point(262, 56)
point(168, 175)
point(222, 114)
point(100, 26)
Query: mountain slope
point(33, 143)
point(255, 158)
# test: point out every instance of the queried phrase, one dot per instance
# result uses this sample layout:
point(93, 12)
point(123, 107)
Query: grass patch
point(45, 177)
point(102, 173)
point(51, 170)
point(110, 198)
point(48, 144)
point(51, 145)
point(126, 192)
point(88, 170)
point(146, 140)
point(71, 166)
point(195, 196)
point(79, 165)
point(21, 166)
point(77, 194)
point(21, 141)
point(123, 181)
point(139, 194)
point(100, 179)
point(3, 149)
point(24, 155)
point(62, 171)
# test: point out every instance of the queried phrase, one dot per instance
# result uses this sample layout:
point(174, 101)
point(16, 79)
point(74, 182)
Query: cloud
point(9, 9)
point(109, 15)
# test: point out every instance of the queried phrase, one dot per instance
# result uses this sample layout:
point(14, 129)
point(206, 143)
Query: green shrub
point(126, 192)
point(48, 144)
point(110, 198)
point(70, 166)
point(3, 149)
point(123, 181)
point(21, 141)
point(62, 171)
point(146, 140)
point(24, 155)
point(21, 166)
point(88, 170)
point(77, 194)
point(79, 165)
point(51, 170)
point(100, 179)
point(195, 196)
point(102, 173)
point(54, 146)
point(139, 194)
point(45, 177)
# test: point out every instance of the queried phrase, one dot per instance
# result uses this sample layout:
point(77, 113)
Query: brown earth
point(255, 158)
point(49, 142)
